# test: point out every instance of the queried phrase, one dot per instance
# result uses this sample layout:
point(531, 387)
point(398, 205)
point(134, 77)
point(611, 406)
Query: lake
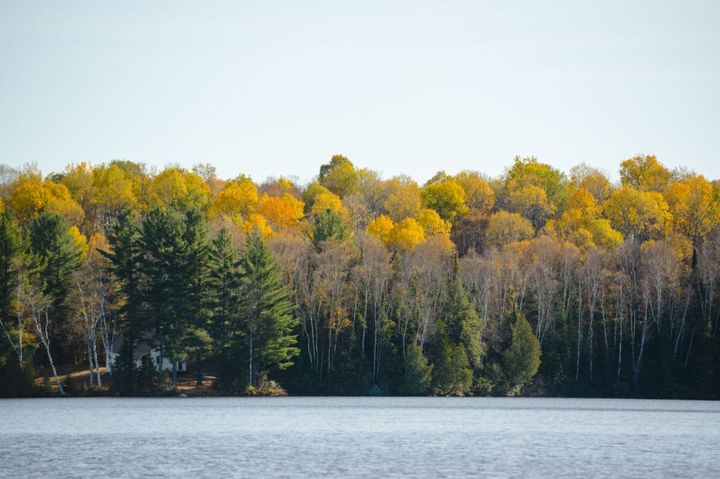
point(358, 437)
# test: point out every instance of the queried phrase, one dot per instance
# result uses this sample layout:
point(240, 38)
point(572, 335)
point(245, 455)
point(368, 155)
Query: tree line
point(534, 282)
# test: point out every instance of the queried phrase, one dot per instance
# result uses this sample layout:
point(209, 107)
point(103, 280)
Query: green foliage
point(521, 360)
point(452, 375)
point(266, 313)
point(328, 225)
point(461, 320)
point(417, 378)
point(60, 255)
point(124, 373)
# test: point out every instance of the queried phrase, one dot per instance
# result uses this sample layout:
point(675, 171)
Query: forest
point(535, 282)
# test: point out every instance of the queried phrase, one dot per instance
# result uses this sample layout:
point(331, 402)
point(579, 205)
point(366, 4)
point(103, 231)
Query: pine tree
point(418, 372)
point(51, 241)
point(195, 303)
point(462, 321)
point(328, 225)
point(167, 284)
point(452, 375)
point(521, 360)
point(125, 258)
point(223, 304)
point(266, 312)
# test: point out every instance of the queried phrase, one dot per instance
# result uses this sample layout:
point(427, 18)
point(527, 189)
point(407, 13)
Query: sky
point(277, 88)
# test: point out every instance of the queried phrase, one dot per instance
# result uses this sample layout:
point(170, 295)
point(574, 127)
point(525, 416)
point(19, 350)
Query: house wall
point(166, 365)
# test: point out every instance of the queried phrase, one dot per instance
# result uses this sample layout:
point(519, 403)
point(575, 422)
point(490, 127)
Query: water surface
point(358, 438)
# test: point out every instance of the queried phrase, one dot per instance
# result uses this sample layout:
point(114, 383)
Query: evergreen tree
point(124, 373)
point(462, 321)
point(452, 375)
point(51, 241)
point(16, 373)
point(222, 286)
point(418, 372)
point(328, 225)
point(266, 312)
point(167, 286)
point(125, 258)
point(11, 245)
point(195, 304)
point(522, 359)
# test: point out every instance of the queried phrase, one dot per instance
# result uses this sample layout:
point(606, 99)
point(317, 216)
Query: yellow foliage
point(603, 234)
point(638, 213)
point(478, 193)
point(257, 223)
point(505, 227)
point(238, 198)
point(178, 189)
point(406, 235)
point(381, 228)
point(404, 200)
point(327, 200)
point(79, 239)
point(531, 201)
point(32, 196)
point(583, 200)
point(693, 206)
point(284, 212)
point(446, 197)
point(432, 223)
point(644, 173)
point(114, 189)
point(29, 198)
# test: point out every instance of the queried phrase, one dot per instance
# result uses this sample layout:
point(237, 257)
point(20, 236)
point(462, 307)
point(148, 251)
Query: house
point(145, 347)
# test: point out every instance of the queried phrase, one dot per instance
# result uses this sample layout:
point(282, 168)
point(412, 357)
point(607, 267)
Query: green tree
point(521, 360)
point(418, 372)
point(195, 303)
point(328, 225)
point(266, 312)
point(167, 282)
point(223, 283)
point(51, 241)
point(452, 375)
point(461, 320)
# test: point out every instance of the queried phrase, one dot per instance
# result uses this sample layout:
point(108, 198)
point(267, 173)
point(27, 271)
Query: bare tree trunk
point(42, 323)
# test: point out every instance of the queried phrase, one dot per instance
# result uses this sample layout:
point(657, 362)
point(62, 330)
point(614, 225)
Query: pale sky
point(276, 88)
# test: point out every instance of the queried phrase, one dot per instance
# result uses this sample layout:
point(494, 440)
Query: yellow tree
point(31, 196)
point(592, 180)
point(478, 193)
point(403, 198)
point(381, 228)
point(283, 211)
point(327, 201)
point(446, 197)
point(175, 188)
point(339, 176)
point(644, 173)
point(505, 227)
point(406, 235)
point(114, 190)
point(257, 223)
point(238, 198)
point(641, 214)
point(531, 202)
point(693, 207)
point(432, 223)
